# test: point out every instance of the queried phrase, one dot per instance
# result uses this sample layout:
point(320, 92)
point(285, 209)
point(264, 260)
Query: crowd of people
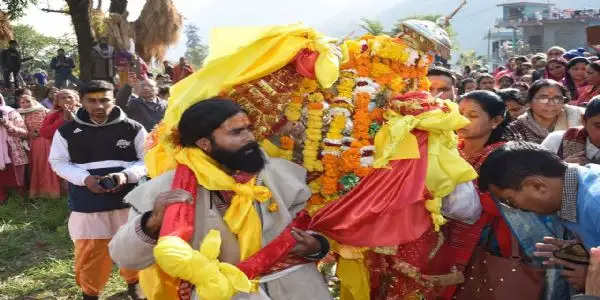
point(534, 125)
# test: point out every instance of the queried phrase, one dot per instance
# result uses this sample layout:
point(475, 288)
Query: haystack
point(158, 27)
point(6, 33)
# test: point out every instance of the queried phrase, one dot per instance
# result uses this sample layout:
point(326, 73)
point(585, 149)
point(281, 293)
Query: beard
point(248, 159)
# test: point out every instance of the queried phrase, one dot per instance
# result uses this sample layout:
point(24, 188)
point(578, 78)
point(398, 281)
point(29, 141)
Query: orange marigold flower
point(315, 106)
point(362, 171)
point(287, 143)
point(316, 199)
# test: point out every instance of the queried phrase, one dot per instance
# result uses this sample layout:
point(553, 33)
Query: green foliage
point(15, 8)
point(470, 58)
point(196, 51)
point(373, 27)
point(36, 257)
point(41, 47)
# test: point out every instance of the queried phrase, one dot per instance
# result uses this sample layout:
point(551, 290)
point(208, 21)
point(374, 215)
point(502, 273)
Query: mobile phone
point(108, 182)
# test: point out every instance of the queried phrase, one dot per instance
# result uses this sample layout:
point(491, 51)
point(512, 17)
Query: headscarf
point(547, 73)
point(35, 106)
point(4, 151)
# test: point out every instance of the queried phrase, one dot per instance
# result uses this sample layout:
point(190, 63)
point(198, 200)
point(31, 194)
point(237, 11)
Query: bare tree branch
point(58, 11)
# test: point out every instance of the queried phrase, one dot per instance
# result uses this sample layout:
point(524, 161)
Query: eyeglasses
point(553, 100)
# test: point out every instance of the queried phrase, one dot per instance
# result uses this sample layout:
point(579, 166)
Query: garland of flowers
point(313, 132)
point(287, 144)
point(331, 153)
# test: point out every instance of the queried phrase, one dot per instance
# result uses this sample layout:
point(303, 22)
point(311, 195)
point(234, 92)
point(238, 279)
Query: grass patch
point(36, 253)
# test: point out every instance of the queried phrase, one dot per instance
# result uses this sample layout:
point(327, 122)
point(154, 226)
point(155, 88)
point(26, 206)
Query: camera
point(108, 182)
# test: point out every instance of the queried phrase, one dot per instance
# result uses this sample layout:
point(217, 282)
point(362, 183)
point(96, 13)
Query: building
point(539, 25)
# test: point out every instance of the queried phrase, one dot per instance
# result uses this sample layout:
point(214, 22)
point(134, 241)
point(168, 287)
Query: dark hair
point(542, 83)
point(511, 94)
point(519, 84)
point(522, 59)
point(483, 76)
point(512, 80)
point(493, 105)
point(593, 108)
point(20, 92)
point(439, 71)
point(595, 65)
point(201, 119)
point(569, 83)
point(508, 165)
point(60, 49)
point(12, 42)
point(163, 90)
point(463, 83)
point(93, 86)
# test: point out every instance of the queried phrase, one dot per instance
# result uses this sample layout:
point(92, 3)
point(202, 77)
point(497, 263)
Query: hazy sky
point(213, 13)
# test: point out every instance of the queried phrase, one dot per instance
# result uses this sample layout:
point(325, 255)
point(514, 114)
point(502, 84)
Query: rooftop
point(525, 3)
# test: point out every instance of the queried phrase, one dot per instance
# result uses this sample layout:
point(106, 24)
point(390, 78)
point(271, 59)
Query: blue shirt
point(580, 210)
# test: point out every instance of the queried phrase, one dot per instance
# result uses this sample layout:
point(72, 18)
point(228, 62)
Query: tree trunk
point(118, 6)
point(80, 16)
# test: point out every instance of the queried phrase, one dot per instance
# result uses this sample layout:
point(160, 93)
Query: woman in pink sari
point(13, 157)
point(43, 182)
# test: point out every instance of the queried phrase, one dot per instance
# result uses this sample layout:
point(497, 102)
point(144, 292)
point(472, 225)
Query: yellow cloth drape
point(241, 217)
point(445, 167)
point(354, 279)
point(237, 56)
point(212, 279)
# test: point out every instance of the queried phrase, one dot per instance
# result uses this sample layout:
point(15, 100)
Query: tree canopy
point(41, 47)
point(196, 51)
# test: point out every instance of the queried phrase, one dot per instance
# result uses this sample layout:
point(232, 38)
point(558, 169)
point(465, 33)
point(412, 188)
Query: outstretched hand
point(306, 244)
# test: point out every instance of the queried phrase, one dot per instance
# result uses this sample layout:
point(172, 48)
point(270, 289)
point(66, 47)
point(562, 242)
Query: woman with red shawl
point(67, 103)
point(483, 135)
point(592, 77)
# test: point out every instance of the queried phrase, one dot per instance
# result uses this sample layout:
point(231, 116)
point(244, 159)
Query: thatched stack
point(120, 32)
point(6, 33)
point(97, 22)
point(158, 27)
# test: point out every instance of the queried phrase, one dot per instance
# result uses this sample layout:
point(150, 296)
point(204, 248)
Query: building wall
point(534, 35)
point(567, 35)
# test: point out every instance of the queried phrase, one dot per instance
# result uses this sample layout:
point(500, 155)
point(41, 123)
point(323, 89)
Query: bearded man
point(223, 132)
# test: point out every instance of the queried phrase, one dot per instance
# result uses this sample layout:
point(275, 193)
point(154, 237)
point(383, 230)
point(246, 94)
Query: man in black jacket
point(100, 153)
point(11, 63)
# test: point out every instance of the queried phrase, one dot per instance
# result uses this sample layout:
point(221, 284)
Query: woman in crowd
point(477, 140)
point(592, 78)
point(13, 157)
point(48, 102)
point(547, 112)
point(43, 182)
point(67, 103)
point(579, 145)
point(556, 69)
point(485, 82)
point(467, 85)
point(515, 104)
point(575, 78)
point(523, 88)
point(505, 82)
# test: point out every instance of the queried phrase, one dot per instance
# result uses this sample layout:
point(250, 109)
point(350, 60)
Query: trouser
point(62, 81)
point(15, 75)
point(93, 266)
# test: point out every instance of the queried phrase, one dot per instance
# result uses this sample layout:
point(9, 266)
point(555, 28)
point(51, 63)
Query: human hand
point(592, 282)
point(577, 158)
point(120, 181)
point(158, 211)
point(574, 273)
point(548, 246)
point(306, 244)
point(92, 183)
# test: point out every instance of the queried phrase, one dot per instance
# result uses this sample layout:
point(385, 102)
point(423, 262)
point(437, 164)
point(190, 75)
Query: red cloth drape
point(385, 209)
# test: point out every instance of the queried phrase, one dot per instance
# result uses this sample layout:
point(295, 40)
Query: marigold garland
point(313, 133)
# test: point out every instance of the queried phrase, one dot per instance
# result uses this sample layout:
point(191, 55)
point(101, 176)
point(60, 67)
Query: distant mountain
point(471, 23)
